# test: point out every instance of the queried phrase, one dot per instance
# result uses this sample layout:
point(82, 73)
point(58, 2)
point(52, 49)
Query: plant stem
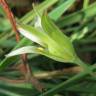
point(85, 66)
point(27, 69)
point(85, 4)
point(13, 23)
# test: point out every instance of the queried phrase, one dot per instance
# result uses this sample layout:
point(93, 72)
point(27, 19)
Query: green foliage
point(43, 37)
point(46, 34)
point(57, 12)
point(47, 38)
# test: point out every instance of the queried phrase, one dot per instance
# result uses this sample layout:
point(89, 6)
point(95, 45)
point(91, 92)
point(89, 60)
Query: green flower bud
point(59, 45)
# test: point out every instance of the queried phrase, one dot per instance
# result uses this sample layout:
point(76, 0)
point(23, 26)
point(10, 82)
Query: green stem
point(86, 67)
point(85, 4)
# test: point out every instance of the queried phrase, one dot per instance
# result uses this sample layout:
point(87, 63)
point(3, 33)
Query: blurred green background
point(77, 19)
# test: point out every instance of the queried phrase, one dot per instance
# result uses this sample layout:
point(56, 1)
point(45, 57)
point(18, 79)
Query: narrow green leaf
point(8, 93)
point(66, 83)
point(7, 61)
point(57, 12)
point(78, 16)
point(29, 17)
point(85, 4)
point(23, 50)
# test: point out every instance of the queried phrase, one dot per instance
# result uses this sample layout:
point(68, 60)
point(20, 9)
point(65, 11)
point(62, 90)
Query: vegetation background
point(76, 19)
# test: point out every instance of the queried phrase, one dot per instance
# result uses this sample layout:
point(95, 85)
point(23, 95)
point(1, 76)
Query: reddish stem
point(26, 67)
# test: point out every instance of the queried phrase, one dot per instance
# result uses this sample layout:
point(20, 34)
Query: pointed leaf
point(31, 33)
point(61, 45)
point(57, 12)
point(23, 50)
